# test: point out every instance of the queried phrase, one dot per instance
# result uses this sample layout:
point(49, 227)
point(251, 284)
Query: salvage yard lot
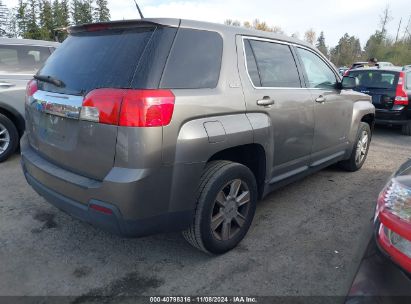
point(306, 239)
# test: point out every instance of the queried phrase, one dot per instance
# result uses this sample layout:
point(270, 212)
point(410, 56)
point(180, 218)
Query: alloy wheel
point(362, 148)
point(230, 210)
point(4, 139)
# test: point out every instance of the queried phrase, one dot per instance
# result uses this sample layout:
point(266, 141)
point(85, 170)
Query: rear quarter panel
point(205, 121)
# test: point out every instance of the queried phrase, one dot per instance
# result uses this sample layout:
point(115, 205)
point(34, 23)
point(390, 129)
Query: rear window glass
point(376, 79)
point(90, 60)
point(22, 59)
point(195, 60)
point(275, 64)
point(251, 64)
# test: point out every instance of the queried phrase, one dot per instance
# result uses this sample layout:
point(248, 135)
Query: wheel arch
point(370, 120)
point(253, 156)
point(363, 111)
point(15, 117)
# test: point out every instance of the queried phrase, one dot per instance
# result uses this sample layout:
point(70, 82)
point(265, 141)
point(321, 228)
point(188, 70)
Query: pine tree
point(101, 11)
point(46, 20)
point(321, 44)
point(76, 11)
point(64, 14)
point(82, 11)
point(61, 19)
point(347, 51)
point(33, 29)
point(22, 18)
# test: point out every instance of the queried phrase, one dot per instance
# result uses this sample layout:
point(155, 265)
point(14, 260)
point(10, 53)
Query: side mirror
point(349, 83)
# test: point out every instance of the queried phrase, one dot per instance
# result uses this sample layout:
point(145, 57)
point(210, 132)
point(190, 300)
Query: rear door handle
point(6, 84)
point(266, 101)
point(320, 99)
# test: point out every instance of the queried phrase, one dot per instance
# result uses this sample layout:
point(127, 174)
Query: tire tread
point(192, 234)
point(14, 137)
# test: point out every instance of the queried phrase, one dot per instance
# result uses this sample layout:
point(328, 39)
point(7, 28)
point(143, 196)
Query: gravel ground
point(306, 239)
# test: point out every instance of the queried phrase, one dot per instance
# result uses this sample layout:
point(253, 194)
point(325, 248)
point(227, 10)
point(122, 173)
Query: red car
point(384, 275)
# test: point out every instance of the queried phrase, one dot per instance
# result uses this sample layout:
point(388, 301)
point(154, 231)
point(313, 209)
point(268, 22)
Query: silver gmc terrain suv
point(157, 125)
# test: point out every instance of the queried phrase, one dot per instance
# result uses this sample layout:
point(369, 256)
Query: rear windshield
point(376, 79)
point(107, 59)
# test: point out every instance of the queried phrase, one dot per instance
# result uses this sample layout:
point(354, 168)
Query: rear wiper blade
point(50, 79)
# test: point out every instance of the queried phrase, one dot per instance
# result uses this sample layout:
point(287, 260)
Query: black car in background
point(390, 89)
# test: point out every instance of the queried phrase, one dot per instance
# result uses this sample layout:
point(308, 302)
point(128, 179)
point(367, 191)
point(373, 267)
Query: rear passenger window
point(275, 64)
point(251, 64)
point(195, 60)
point(22, 58)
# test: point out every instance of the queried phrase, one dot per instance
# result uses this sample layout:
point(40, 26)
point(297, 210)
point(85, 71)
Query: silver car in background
point(19, 61)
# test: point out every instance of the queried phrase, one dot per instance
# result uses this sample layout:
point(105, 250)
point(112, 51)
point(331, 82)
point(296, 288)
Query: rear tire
point(9, 138)
point(406, 129)
point(227, 197)
point(360, 150)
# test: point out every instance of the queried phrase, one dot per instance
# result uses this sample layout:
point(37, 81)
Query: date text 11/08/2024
point(203, 300)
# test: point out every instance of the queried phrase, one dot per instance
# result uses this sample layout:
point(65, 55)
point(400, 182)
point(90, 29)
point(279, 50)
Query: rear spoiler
point(123, 24)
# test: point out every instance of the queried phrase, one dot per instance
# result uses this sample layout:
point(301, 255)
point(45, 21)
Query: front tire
point(226, 203)
point(9, 138)
point(360, 150)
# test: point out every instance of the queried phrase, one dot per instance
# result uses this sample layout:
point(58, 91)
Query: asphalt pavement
point(307, 239)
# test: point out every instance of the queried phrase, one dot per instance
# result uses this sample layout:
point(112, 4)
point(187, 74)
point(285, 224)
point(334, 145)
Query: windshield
point(376, 79)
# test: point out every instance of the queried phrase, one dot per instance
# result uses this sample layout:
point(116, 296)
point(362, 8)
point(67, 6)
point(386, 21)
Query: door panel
point(272, 86)
point(332, 112)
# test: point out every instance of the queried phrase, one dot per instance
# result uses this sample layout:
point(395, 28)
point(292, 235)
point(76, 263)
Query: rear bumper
point(387, 117)
point(130, 216)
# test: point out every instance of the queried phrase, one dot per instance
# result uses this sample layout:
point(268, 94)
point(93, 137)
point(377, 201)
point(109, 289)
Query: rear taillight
point(103, 106)
point(401, 97)
point(129, 108)
point(31, 89)
point(147, 108)
point(394, 213)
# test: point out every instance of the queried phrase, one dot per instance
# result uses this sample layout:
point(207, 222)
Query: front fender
point(361, 108)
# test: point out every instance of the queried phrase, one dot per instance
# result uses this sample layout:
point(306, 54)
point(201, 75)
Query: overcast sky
point(334, 17)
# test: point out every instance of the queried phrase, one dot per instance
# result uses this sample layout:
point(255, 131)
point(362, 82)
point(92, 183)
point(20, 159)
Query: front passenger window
point(319, 74)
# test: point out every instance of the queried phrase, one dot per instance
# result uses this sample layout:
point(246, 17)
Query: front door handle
point(266, 101)
point(320, 99)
